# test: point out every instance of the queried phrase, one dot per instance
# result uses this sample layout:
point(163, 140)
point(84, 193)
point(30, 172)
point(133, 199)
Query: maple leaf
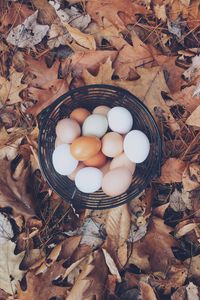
point(112, 9)
point(10, 89)
point(9, 267)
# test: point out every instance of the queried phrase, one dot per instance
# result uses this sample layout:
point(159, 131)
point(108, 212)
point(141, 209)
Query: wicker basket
point(90, 97)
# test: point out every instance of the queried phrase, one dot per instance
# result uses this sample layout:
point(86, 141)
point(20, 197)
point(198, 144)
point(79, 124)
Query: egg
point(85, 147)
point(73, 174)
point(105, 168)
point(96, 161)
point(116, 181)
point(136, 146)
point(58, 142)
point(79, 114)
point(64, 163)
point(67, 130)
point(88, 180)
point(96, 125)
point(112, 144)
point(120, 119)
point(102, 110)
point(122, 161)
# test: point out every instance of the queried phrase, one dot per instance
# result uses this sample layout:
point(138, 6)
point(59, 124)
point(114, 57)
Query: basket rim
point(43, 117)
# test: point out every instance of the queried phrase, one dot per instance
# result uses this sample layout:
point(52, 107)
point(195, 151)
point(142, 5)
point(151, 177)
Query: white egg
point(64, 163)
point(136, 146)
point(88, 180)
point(96, 125)
point(120, 119)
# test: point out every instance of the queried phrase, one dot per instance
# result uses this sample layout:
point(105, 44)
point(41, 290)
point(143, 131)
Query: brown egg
point(122, 160)
point(116, 181)
point(79, 114)
point(97, 161)
point(112, 144)
point(105, 168)
point(73, 174)
point(85, 147)
point(102, 110)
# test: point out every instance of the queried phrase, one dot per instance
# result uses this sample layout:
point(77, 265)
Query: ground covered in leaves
point(148, 249)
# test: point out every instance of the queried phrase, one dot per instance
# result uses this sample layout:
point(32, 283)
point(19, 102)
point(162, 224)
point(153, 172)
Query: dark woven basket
point(90, 97)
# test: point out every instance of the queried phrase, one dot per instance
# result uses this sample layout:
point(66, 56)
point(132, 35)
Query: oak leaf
point(6, 231)
point(191, 177)
point(10, 89)
point(172, 170)
point(147, 293)
point(9, 267)
point(120, 13)
point(186, 98)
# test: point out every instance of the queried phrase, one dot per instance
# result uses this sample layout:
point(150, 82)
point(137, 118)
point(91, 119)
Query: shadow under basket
point(90, 97)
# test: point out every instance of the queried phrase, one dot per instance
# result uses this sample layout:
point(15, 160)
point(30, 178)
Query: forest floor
point(149, 248)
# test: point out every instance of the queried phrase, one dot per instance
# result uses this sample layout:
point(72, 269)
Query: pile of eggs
point(99, 149)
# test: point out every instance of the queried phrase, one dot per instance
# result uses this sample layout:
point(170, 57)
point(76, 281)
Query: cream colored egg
point(122, 161)
point(67, 130)
point(116, 181)
point(112, 144)
point(102, 110)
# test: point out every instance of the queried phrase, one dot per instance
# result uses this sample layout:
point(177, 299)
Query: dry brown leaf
point(9, 267)
point(46, 95)
point(179, 294)
point(191, 177)
point(194, 118)
point(160, 12)
point(182, 228)
point(13, 190)
point(41, 286)
point(147, 293)
point(154, 251)
point(186, 99)
point(69, 245)
point(192, 291)
point(172, 170)
point(46, 12)
point(120, 13)
point(193, 265)
point(131, 57)
point(111, 265)
point(83, 39)
point(10, 89)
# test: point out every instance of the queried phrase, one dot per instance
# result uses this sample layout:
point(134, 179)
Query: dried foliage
point(149, 248)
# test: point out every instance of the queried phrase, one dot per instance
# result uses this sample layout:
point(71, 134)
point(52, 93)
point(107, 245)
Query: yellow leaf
point(83, 39)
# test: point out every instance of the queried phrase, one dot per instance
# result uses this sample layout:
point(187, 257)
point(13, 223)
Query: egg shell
point(112, 144)
point(136, 146)
point(116, 181)
point(85, 147)
point(88, 180)
point(120, 119)
point(97, 161)
point(73, 174)
point(106, 167)
point(58, 142)
point(122, 161)
point(67, 130)
point(79, 114)
point(101, 109)
point(64, 163)
point(96, 125)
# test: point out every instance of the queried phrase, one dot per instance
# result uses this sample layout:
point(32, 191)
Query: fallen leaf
point(131, 57)
point(6, 231)
point(192, 291)
point(9, 267)
point(186, 99)
point(57, 36)
point(27, 34)
point(183, 229)
point(191, 177)
point(111, 265)
point(154, 251)
point(179, 294)
point(120, 13)
point(46, 290)
point(193, 265)
point(160, 12)
point(46, 14)
point(83, 39)
point(13, 190)
point(194, 118)
point(46, 95)
point(176, 201)
point(147, 293)
point(172, 170)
